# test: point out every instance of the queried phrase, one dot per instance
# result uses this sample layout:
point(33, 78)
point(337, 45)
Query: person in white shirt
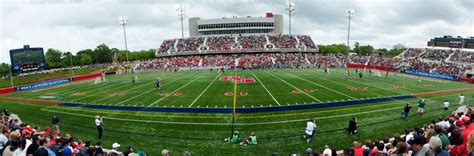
point(309, 131)
point(327, 151)
point(98, 125)
point(461, 99)
point(446, 104)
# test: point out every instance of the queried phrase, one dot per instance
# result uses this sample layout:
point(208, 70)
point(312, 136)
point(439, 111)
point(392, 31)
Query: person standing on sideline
point(352, 128)
point(406, 110)
point(461, 99)
point(98, 125)
point(445, 104)
point(421, 107)
point(55, 122)
point(309, 131)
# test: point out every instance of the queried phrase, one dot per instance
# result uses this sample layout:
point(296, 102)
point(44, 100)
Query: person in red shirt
point(358, 150)
point(458, 148)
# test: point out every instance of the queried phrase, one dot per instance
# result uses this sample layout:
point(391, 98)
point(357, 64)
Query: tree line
point(101, 54)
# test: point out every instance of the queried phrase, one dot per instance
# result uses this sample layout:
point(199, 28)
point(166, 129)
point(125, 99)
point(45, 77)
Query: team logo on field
point(398, 86)
point(174, 94)
point(296, 91)
point(118, 94)
point(228, 94)
point(237, 79)
point(238, 93)
point(357, 88)
point(177, 94)
point(425, 84)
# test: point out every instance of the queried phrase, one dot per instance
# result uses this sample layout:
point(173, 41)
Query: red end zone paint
point(85, 77)
point(442, 92)
point(7, 90)
point(35, 101)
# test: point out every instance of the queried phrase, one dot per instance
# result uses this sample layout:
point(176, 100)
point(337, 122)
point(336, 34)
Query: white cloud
point(72, 25)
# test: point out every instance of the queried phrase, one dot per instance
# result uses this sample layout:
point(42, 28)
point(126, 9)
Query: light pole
point(123, 22)
point(290, 8)
point(349, 15)
point(181, 13)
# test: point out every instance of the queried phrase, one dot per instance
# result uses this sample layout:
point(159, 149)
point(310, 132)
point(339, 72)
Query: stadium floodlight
point(181, 14)
point(349, 15)
point(124, 21)
point(290, 8)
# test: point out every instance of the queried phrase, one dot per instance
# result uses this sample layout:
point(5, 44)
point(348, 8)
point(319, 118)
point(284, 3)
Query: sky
point(73, 25)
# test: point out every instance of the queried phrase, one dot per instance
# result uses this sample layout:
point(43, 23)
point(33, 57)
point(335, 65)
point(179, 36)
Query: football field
point(273, 103)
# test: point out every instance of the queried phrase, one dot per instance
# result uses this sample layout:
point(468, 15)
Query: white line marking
point(265, 88)
point(296, 88)
point(205, 90)
point(321, 86)
point(164, 97)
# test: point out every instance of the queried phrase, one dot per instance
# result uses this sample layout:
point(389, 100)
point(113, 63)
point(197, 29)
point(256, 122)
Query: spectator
point(165, 152)
point(442, 136)
point(457, 147)
point(416, 145)
point(400, 150)
point(470, 144)
point(3, 136)
point(437, 147)
point(114, 151)
point(327, 151)
point(33, 146)
point(98, 149)
point(13, 144)
point(128, 150)
point(358, 150)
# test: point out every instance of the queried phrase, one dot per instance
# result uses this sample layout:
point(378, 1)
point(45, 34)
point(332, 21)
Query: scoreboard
point(27, 59)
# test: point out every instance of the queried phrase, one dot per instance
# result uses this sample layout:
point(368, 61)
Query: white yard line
point(296, 88)
point(174, 91)
point(321, 86)
point(133, 97)
point(205, 90)
point(265, 88)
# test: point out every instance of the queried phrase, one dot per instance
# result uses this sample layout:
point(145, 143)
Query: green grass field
point(203, 133)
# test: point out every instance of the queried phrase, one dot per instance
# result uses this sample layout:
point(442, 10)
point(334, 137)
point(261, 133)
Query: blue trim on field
point(238, 110)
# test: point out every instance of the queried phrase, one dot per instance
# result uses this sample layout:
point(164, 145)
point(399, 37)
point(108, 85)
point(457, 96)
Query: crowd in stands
point(18, 138)
point(227, 43)
point(307, 41)
point(435, 54)
point(283, 41)
point(189, 44)
point(222, 43)
point(463, 57)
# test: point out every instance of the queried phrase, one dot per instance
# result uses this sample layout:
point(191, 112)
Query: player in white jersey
point(461, 99)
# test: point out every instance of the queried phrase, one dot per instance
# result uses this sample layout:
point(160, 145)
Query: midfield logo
point(237, 79)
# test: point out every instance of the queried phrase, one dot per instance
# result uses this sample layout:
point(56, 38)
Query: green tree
point(53, 58)
point(356, 48)
point(85, 59)
point(67, 59)
point(102, 54)
point(366, 50)
point(4, 69)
